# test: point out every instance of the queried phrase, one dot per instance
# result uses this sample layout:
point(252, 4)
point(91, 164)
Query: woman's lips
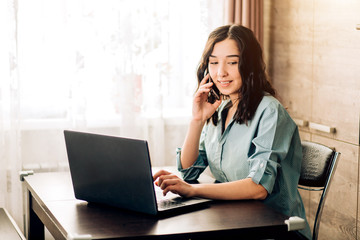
point(224, 83)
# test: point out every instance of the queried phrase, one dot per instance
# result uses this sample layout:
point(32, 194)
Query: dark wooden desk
point(51, 202)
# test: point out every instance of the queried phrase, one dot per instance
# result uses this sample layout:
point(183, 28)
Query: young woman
point(246, 137)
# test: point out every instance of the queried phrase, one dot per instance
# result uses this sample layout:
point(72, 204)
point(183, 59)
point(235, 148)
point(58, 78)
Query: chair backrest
point(317, 168)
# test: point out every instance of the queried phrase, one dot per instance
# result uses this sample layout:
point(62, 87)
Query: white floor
point(48, 235)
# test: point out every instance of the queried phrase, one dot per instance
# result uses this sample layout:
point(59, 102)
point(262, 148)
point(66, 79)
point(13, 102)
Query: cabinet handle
point(321, 128)
point(358, 27)
point(301, 122)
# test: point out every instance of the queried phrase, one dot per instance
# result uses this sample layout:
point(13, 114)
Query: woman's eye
point(213, 62)
point(233, 63)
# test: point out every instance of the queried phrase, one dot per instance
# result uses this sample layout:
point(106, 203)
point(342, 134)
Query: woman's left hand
point(169, 182)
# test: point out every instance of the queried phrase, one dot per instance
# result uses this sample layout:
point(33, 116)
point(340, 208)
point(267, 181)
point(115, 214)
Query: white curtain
point(118, 67)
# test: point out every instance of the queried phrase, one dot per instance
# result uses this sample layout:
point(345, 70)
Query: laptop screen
point(111, 170)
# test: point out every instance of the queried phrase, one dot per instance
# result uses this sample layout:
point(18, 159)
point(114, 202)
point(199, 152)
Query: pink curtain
point(248, 13)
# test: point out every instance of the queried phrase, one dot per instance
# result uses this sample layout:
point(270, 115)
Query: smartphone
point(214, 93)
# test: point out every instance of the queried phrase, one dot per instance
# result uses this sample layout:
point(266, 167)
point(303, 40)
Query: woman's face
point(224, 68)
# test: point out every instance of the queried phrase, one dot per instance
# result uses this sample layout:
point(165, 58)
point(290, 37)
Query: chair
point(317, 168)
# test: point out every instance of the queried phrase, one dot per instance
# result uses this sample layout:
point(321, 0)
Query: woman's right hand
point(202, 110)
point(169, 182)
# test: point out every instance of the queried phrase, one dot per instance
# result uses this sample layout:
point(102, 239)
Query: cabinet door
point(340, 210)
point(336, 73)
point(288, 33)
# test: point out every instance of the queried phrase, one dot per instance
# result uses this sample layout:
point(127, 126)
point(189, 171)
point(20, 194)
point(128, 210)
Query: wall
point(312, 50)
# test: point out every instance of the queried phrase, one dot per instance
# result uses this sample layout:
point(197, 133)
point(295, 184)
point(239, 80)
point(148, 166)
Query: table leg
point(36, 229)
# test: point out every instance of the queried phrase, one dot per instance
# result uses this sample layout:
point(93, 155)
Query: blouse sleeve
point(192, 173)
point(270, 146)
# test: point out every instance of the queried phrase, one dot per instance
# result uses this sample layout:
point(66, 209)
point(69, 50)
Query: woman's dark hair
point(255, 82)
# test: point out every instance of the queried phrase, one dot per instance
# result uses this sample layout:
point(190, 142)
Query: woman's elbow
point(261, 193)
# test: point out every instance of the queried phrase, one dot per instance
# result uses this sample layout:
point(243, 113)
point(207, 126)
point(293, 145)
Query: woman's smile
point(224, 83)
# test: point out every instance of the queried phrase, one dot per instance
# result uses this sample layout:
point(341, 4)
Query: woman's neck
point(234, 102)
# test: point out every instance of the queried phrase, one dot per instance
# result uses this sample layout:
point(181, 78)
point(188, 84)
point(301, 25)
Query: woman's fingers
point(164, 178)
point(204, 82)
point(217, 103)
point(177, 186)
point(205, 79)
point(160, 173)
point(171, 188)
point(202, 90)
point(163, 175)
point(170, 182)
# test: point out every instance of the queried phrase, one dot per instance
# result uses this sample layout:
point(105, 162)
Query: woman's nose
point(222, 71)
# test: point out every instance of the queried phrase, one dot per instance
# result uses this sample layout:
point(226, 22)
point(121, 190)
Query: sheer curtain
point(118, 67)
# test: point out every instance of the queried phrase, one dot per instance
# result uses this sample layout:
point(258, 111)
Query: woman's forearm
point(190, 149)
point(241, 189)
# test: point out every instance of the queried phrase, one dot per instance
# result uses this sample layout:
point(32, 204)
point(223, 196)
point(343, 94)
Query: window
point(98, 60)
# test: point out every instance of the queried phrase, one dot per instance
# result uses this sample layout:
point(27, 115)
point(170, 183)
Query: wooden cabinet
point(313, 59)
point(288, 35)
point(312, 50)
point(336, 63)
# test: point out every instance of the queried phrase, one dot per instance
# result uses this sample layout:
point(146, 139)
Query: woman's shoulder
point(269, 102)
point(270, 111)
point(272, 106)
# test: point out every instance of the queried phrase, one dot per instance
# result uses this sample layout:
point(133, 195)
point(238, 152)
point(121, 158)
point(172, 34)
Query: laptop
point(116, 171)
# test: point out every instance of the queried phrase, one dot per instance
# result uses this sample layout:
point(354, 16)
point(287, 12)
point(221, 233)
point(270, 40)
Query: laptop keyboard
point(167, 203)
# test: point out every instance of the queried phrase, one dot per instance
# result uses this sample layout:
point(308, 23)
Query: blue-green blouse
point(267, 150)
